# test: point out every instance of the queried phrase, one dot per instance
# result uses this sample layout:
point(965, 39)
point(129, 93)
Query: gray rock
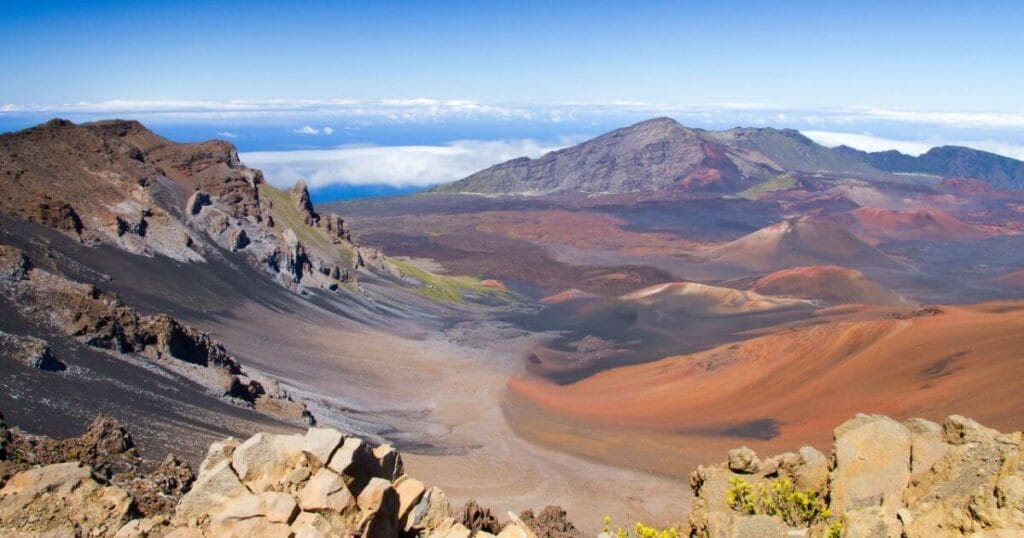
point(743, 460)
point(30, 351)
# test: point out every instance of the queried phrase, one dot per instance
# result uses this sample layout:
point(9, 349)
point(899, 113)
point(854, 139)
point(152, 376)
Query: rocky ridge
point(660, 154)
point(883, 478)
point(99, 319)
point(124, 186)
point(321, 483)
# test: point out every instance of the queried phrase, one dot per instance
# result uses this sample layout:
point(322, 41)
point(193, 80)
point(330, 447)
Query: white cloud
point(996, 120)
point(226, 134)
point(310, 130)
point(391, 165)
point(427, 109)
point(868, 142)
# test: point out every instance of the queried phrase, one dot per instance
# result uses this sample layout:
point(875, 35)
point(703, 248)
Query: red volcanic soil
point(715, 173)
point(829, 283)
point(798, 242)
point(567, 296)
point(792, 387)
point(876, 225)
point(579, 229)
point(966, 186)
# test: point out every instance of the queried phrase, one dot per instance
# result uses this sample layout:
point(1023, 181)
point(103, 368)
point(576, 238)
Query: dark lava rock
point(552, 522)
point(477, 518)
point(30, 351)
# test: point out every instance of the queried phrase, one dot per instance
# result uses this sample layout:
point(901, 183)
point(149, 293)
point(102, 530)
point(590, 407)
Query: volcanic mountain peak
point(927, 223)
point(661, 154)
point(829, 283)
point(650, 155)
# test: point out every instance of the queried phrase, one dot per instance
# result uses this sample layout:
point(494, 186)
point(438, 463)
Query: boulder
point(326, 491)
point(319, 445)
point(961, 430)
point(214, 488)
point(61, 500)
point(409, 491)
point(432, 510)
point(278, 507)
point(871, 463)
point(312, 525)
point(812, 473)
point(157, 492)
point(743, 460)
point(389, 462)
point(478, 518)
point(355, 461)
point(928, 445)
point(219, 451)
point(551, 522)
point(271, 462)
point(379, 505)
point(30, 351)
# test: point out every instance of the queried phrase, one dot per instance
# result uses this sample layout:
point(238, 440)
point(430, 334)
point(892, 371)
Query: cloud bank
point(397, 166)
point(869, 142)
point(427, 110)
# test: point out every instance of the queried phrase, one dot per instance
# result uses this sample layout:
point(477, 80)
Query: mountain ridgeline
point(661, 154)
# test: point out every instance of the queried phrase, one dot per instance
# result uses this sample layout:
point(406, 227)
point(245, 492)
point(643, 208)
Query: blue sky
point(543, 73)
point(933, 55)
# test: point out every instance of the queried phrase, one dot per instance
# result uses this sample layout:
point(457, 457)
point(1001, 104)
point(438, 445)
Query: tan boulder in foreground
point(61, 500)
point(884, 479)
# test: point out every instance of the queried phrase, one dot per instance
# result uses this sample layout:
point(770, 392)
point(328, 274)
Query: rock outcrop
point(62, 499)
point(320, 483)
point(551, 522)
point(124, 186)
point(99, 319)
point(30, 351)
point(883, 479)
point(104, 464)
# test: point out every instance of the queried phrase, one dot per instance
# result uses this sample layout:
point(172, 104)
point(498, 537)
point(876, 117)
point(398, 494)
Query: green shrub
point(837, 529)
point(778, 498)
